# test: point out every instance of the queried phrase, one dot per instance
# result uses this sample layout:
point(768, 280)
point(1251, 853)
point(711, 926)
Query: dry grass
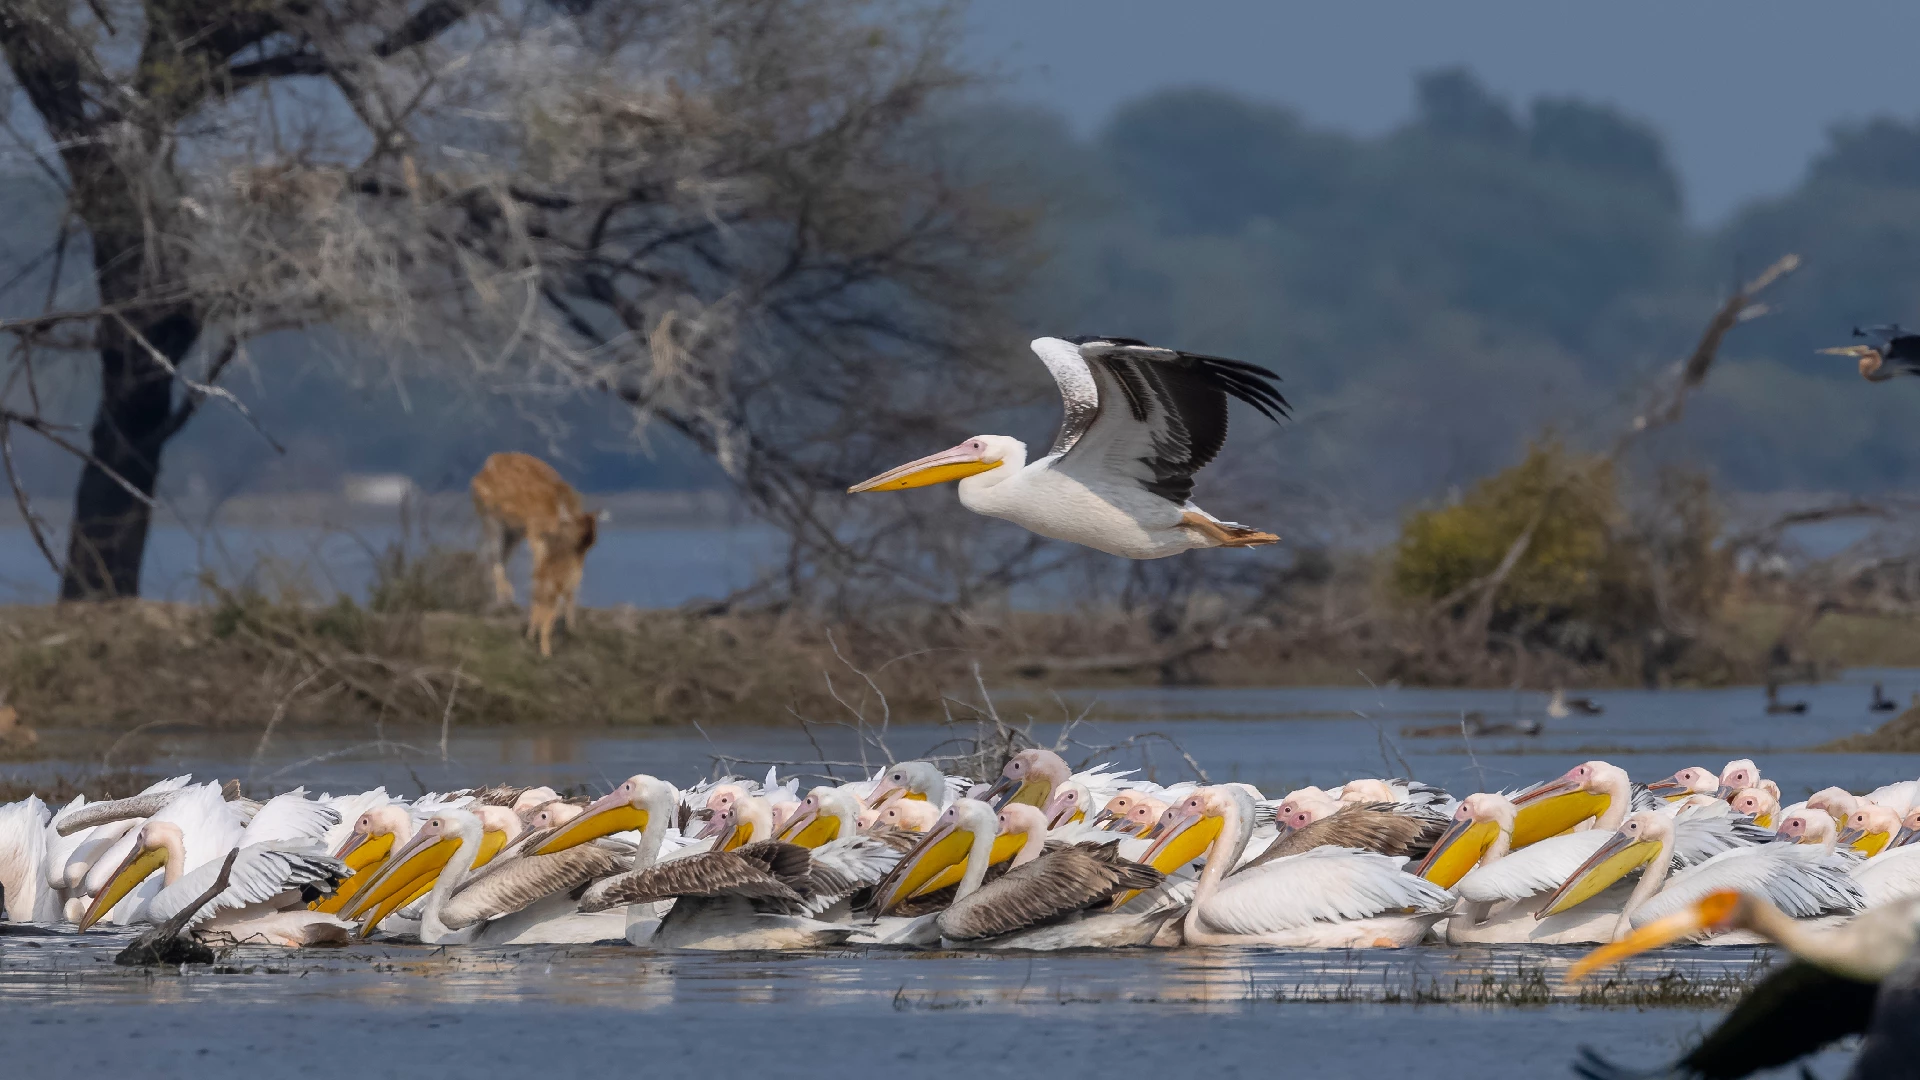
point(245, 662)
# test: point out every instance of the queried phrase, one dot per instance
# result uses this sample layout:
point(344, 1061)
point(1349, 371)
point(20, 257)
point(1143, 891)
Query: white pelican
point(1324, 898)
point(509, 900)
point(1858, 978)
point(908, 815)
point(23, 862)
point(1592, 791)
point(1871, 828)
point(280, 868)
point(1504, 893)
point(921, 781)
point(1692, 780)
point(1140, 421)
point(1762, 804)
point(757, 896)
point(1044, 901)
point(1801, 879)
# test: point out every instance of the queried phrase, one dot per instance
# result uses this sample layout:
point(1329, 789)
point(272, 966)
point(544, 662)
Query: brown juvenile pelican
point(1140, 421)
point(1863, 977)
point(1046, 900)
point(1894, 351)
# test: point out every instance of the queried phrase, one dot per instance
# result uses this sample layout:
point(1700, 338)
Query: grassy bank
point(243, 663)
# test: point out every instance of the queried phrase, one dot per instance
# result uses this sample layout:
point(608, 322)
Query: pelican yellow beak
point(811, 829)
point(362, 850)
point(1457, 851)
point(1185, 840)
point(954, 464)
point(138, 866)
point(1706, 914)
point(1618, 857)
point(419, 862)
point(945, 848)
point(1034, 791)
point(1864, 842)
point(1005, 846)
point(607, 815)
point(1552, 810)
point(1764, 821)
point(365, 854)
point(1848, 350)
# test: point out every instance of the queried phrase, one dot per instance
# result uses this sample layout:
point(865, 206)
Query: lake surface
point(415, 1012)
point(642, 567)
point(396, 1011)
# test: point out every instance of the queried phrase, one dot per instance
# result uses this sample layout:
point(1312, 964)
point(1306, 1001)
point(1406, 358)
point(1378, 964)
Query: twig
point(446, 717)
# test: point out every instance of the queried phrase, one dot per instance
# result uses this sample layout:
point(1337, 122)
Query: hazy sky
point(1743, 91)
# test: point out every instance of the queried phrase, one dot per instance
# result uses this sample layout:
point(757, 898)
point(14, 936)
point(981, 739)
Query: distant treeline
point(1433, 296)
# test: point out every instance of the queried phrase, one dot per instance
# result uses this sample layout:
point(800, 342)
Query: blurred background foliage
point(1435, 297)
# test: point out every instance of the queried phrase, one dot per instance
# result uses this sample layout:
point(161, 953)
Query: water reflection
point(64, 966)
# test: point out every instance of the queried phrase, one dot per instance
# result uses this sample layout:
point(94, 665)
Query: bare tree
point(733, 215)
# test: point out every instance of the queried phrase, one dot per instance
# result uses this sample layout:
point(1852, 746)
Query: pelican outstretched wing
point(1156, 415)
point(260, 873)
point(518, 884)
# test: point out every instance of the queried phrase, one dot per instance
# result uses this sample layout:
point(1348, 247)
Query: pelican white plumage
point(23, 862)
point(506, 900)
point(1326, 897)
point(1503, 895)
point(1803, 880)
point(920, 781)
point(280, 867)
point(1139, 422)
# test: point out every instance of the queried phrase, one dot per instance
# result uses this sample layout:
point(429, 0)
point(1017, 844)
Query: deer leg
point(499, 541)
point(1224, 534)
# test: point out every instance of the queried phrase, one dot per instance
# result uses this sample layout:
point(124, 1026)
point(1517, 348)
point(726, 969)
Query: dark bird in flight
point(1894, 351)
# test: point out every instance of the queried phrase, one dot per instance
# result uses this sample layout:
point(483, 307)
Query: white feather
point(1325, 884)
point(1802, 880)
point(1890, 875)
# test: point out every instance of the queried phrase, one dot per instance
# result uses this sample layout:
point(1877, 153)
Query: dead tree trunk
point(112, 508)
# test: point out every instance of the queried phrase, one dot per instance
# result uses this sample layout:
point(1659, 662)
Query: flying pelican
point(1894, 351)
point(1139, 422)
point(1044, 900)
point(1326, 898)
point(1808, 882)
point(1863, 977)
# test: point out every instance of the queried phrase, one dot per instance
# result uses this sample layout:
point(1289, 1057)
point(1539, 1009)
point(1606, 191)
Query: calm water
point(436, 1012)
point(642, 567)
point(400, 1011)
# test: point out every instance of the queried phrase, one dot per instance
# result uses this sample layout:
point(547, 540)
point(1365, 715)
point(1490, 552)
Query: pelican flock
point(1041, 856)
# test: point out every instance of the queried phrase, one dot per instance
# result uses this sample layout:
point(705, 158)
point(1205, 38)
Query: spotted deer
point(519, 496)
